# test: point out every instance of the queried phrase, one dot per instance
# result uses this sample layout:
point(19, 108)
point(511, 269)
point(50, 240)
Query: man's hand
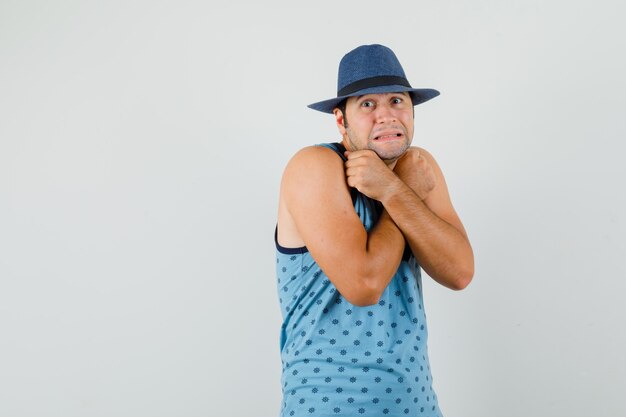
point(416, 172)
point(366, 172)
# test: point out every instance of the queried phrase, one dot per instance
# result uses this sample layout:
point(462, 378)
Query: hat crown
point(368, 61)
point(372, 69)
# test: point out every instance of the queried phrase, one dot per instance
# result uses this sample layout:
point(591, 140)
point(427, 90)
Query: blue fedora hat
point(372, 69)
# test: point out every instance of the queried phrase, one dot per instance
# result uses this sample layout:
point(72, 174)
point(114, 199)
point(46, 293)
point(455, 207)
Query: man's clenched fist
point(366, 172)
point(416, 172)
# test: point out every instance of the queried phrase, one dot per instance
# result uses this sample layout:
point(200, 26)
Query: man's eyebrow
point(402, 93)
point(364, 95)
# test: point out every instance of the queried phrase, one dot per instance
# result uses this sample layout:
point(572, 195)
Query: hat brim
point(418, 96)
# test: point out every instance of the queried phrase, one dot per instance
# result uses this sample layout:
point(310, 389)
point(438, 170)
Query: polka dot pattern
point(344, 360)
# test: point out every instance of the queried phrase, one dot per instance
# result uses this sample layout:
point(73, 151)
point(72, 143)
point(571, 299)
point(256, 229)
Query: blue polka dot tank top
point(339, 359)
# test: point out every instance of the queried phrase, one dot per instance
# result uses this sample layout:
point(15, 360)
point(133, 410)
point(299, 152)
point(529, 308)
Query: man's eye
point(367, 103)
point(397, 100)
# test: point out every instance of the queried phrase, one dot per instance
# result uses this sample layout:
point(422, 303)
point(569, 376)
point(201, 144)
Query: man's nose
point(385, 114)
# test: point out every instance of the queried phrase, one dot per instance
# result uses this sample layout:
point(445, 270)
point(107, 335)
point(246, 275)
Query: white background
point(141, 148)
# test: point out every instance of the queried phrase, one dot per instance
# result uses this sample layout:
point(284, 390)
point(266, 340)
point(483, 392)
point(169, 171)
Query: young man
point(356, 221)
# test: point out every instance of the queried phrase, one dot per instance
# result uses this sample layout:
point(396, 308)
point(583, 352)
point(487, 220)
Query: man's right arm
point(317, 198)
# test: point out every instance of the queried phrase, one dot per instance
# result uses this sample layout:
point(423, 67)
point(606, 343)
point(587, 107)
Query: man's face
point(380, 122)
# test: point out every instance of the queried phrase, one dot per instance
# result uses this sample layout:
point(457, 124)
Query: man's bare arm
point(425, 215)
point(315, 193)
point(430, 224)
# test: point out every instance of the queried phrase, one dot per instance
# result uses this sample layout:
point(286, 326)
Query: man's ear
point(339, 120)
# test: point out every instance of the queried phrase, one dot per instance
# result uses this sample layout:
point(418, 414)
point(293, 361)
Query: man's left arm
point(422, 210)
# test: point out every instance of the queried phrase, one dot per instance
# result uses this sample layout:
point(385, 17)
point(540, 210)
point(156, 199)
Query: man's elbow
point(363, 295)
point(461, 279)
point(364, 300)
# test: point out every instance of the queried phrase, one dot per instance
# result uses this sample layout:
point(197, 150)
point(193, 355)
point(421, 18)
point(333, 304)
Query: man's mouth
point(390, 136)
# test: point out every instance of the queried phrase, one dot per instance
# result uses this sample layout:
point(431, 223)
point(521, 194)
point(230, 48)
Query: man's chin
point(390, 154)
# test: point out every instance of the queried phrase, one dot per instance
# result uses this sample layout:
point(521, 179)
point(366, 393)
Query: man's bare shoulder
point(310, 168)
point(313, 158)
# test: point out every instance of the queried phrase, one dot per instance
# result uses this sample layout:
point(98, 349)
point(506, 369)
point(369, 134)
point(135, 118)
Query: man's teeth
point(388, 136)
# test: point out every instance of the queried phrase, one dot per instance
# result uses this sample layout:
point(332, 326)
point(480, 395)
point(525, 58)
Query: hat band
point(373, 82)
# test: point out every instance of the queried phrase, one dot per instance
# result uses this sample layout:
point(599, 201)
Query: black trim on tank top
point(288, 251)
point(407, 253)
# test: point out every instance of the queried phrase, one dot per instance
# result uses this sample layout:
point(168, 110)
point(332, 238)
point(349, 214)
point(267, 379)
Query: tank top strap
point(337, 147)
